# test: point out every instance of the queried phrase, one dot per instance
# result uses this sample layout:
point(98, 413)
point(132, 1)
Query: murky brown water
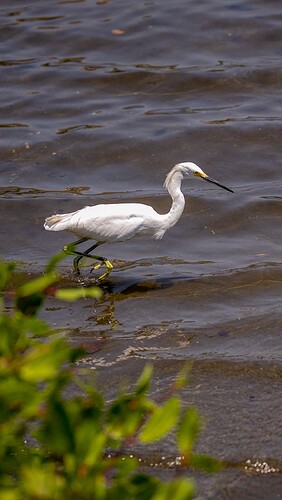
point(90, 116)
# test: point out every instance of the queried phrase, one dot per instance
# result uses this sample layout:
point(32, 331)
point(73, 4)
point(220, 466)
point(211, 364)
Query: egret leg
point(108, 265)
point(84, 254)
point(70, 250)
point(102, 262)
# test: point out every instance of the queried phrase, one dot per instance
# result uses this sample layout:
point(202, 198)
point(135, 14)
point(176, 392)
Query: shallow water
point(92, 115)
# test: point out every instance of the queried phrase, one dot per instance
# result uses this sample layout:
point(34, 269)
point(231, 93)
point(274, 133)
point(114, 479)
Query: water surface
point(98, 101)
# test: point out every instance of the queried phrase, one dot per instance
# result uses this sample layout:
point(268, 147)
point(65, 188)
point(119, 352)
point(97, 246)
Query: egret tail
point(58, 222)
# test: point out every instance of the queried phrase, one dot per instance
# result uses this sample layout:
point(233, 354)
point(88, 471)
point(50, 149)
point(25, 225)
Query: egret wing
point(111, 222)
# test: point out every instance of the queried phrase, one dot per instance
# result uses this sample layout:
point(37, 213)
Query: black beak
point(209, 179)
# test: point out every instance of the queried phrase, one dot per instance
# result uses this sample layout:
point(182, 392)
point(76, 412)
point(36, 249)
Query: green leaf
point(142, 487)
point(39, 482)
point(144, 380)
point(188, 430)
point(55, 431)
point(30, 304)
point(125, 416)
point(54, 261)
point(12, 338)
point(90, 446)
point(6, 268)
point(72, 294)
point(179, 489)
point(205, 463)
point(43, 362)
point(161, 421)
point(38, 285)
point(182, 378)
point(124, 465)
point(36, 326)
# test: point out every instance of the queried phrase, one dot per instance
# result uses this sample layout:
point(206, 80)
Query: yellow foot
point(97, 266)
point(109, 267)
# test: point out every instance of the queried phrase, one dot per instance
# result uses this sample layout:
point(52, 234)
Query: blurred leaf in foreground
point(163, 419)
point(188, 430)
point(59, 439)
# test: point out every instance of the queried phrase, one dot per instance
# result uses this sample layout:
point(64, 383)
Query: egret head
point(188, 168)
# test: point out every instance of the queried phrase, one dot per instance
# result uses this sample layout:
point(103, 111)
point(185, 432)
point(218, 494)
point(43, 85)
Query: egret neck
point(173, 185)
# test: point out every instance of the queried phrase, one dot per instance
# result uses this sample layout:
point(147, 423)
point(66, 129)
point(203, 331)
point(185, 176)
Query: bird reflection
point(115, 292)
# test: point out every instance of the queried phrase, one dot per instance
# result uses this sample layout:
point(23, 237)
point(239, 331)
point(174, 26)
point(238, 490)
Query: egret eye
point(199, 174)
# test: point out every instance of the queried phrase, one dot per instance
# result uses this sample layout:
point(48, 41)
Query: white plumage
point(111, 222)
point(121, 221)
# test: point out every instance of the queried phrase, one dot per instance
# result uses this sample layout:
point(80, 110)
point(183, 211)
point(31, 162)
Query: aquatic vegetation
point(58, 437)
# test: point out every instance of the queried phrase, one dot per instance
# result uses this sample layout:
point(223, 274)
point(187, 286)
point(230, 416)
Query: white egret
point(121, 221)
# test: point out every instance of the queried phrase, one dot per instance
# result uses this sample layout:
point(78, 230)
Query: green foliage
point(54, 447)
point(163, 419)
point(72, 294)
point(188, 431)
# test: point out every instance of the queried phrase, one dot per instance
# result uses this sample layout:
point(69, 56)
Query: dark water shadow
point(141, 286)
